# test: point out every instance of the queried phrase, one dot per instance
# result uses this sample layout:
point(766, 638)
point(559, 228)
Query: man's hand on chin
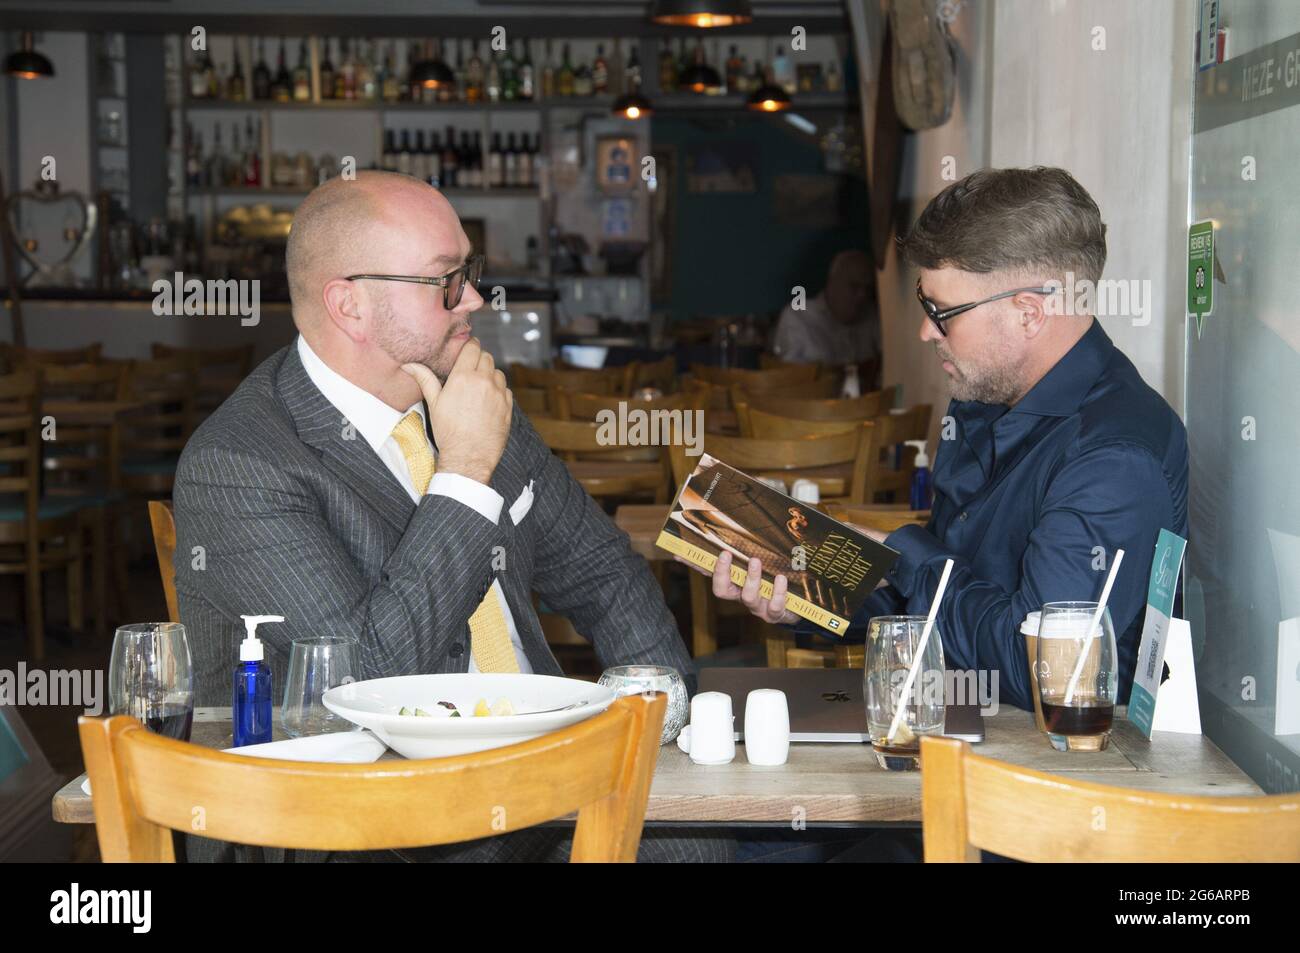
point(469, 414)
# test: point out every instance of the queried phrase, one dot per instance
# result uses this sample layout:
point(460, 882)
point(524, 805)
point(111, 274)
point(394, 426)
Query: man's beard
point(996, 385)
point(405, 347)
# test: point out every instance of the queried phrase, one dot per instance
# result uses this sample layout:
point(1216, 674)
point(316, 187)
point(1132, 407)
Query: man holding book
point(1054, 452)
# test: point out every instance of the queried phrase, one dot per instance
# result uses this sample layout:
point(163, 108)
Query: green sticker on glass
point(1200, 271)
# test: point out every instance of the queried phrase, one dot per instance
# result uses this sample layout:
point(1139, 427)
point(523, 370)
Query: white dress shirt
point(814, 335)
point(375, 420)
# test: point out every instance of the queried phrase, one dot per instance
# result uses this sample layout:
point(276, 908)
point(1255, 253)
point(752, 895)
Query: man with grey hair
point(839, 325)
point(1055, 452)
point(373, 480)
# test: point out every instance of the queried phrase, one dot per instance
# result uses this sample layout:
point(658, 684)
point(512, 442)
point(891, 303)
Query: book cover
point(831, 567)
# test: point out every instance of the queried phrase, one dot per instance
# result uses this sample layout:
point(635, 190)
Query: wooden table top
point(841, 783)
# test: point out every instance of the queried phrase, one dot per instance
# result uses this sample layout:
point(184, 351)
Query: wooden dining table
point(840, 785)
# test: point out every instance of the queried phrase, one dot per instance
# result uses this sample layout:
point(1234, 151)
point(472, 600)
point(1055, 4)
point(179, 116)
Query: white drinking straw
point(920, 653)
point(1096, 620)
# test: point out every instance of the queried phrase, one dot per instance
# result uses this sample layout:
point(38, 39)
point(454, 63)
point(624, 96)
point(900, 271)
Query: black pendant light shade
point(632, 106)
point(769, 98)
point(27, 63)
point(701, 13)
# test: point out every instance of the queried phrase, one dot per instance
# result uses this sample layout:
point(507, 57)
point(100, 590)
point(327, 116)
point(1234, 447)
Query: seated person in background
point(1060, 453)
point(373, 480)
point(839, 326)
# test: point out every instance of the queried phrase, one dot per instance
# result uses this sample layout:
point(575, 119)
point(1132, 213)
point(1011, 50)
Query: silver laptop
point(826, 704)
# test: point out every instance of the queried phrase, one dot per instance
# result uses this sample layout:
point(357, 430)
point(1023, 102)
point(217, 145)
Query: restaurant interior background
point(697, 257)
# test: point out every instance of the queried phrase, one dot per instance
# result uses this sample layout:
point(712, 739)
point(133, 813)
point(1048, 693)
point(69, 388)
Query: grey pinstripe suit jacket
point(282, 508)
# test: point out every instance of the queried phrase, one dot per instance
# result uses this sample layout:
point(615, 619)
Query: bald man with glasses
point(374, 480)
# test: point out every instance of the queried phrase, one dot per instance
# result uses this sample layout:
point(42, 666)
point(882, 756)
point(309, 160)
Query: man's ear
point(344, 308)
point(1030, 313)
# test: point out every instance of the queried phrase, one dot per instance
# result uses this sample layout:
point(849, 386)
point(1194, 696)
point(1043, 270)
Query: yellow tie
point(489, 633)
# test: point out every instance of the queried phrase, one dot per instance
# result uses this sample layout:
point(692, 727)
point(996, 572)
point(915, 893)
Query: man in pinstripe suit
point(372, 480)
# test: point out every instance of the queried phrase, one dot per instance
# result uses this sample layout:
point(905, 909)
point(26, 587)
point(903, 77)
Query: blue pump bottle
point(250, 702)
point(922, 492)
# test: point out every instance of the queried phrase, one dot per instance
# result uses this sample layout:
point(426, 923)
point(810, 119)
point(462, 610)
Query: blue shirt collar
point(1060, 392)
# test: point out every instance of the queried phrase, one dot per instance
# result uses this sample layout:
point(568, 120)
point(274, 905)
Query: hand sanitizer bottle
point(922, 492)
point(250, 702)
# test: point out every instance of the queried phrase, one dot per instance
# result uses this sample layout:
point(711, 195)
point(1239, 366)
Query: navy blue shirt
point(1025, 498)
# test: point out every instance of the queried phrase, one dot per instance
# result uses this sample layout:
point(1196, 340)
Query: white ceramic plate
point(375, 703)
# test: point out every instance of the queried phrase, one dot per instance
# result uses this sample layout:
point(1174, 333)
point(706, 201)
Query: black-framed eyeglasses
point(452, 283)
point(939, 316)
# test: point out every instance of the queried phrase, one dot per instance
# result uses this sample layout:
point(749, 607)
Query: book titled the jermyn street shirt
point(831, 567)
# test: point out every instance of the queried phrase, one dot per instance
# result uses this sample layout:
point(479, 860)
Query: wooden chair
point(217, 371)
point(887, 432)
point(885, 517)
point(579, 445)
point(37, 533)
point(611, 380)
point(661, 374)
point(971, 803)
point(163, 523)
point(531, 400)
point(571, 405)
point(767, 426)
point(152, 440)
point(829, 408)
point(83, 462)
point(19, 356)
point(146, 786)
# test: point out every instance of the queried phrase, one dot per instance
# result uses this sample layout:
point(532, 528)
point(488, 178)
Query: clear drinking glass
point(151, 677)
point(1081, 722)
point(634, 679)
point(315, 666)
point(892, 641)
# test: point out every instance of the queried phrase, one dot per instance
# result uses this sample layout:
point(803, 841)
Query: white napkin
point(340, 747)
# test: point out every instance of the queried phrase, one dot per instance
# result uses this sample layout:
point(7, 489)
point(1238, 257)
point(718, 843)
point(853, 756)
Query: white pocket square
point(520, 507)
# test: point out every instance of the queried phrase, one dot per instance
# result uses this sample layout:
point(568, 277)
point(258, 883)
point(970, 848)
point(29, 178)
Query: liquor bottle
point(215, 174)
point(548, 74)
point(582, 81)
point(348, 72)
point(564, 79)
point(428, 94)
point(210, 74)
point(434, 160)
point(471, 162)
point(367, 76)
point(758, 78)
point(340, 81)
point(237, 90)
point(783, 70)
point(735, 70)
point(282, 84)
point(390, 88)
point(253, 157)
point(261, 74)
point(388, 158)
point(474, 76)
point(193, 162)
point(446, 92)
point(509, 76)
point(420, 157)
point(700, 60)
point(462, 70)
point(326, 71)
point(413, 57)
point(632, 73)
point(617, 77)
point(198, 79)
point(512, 162)
point(667, 68)
point(683, 63)
point(302, 75)
point(599, 72)
point(492, 83)
point(233, 170)
point(404, 154)
point(449, 161)
point(523, 163)
point(527, 84)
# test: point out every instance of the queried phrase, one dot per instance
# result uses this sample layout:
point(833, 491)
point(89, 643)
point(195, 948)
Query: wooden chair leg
point(77, 581)
point(704, 620)
point(778, 644)
point(35, 613)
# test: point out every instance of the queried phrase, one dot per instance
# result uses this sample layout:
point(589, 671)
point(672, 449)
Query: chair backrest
point(663, 412)
point(824, 408)
point(661, 374)
point(612, 380)
point(217, 370)
point(572, 405)
point(167, 386)
point(531, 400)
point(17, 356)
point(886, 519)
point(757, 381)
point(81, 459)
point(971, 803)
point(164, 541)
point(20, 443)
point(793, 458)
point(760, 423)
point(887, 431)
point(147, 785)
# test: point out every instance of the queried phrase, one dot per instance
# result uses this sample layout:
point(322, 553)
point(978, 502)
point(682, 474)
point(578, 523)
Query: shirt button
point(456, 650)
point(963, 516)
